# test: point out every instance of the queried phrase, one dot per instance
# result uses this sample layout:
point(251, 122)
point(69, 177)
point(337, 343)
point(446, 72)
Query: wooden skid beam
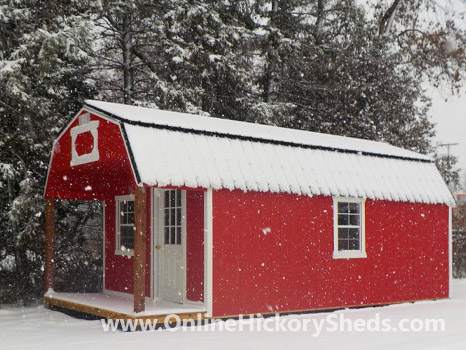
point(49, 244)
point(139, 277)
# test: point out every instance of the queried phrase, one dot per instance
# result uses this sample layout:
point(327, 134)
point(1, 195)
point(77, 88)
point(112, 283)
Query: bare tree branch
point(387, 19)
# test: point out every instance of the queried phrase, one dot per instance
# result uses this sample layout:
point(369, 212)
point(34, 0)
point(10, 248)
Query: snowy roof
point(180, 149)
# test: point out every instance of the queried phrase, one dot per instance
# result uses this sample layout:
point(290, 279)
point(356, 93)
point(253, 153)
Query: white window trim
point(349, 254)
point(118, 199)
point(92, 127)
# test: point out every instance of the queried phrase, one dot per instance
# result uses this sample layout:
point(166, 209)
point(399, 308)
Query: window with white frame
point(124, 206)
point(349, 230)
point(172, 216)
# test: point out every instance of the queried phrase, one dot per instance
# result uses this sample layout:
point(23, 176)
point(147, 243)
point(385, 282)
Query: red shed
point(227, 218)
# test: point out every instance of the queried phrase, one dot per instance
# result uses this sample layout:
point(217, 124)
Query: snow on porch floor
point(124, 305)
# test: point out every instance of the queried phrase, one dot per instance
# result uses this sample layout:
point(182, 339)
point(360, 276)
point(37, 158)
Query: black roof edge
point(131, 155)
point(249, 138)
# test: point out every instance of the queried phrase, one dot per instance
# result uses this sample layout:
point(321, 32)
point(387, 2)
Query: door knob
point(157, 247)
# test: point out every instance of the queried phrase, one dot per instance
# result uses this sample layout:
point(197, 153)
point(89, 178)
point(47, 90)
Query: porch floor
point(112, 306)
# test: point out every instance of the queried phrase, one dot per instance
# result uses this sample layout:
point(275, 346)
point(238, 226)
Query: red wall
point(119, 268)
point(195, 245)
point(291, 267)
point(109, 175)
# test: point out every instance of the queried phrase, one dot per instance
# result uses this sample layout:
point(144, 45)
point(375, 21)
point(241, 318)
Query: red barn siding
point(119, 268)
point(112, 173)
point(291, 267)
point(195, 245)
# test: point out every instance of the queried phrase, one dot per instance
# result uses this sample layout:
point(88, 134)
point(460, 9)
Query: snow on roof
point(158, 117)
point(180, 149)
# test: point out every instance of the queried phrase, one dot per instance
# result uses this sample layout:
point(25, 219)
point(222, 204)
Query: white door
point(170, 246)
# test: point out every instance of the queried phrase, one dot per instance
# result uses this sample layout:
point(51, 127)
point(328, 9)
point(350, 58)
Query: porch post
point(49, 243)
point(139, 277)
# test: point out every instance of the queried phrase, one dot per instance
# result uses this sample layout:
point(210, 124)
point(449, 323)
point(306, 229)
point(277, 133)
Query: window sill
point(124, 253)
point(348, 254)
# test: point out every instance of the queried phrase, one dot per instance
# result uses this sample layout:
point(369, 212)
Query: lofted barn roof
point(178, 149)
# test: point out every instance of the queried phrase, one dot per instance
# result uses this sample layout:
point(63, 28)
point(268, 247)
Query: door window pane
point(172, 220)
point(172, 235)
point(178, 235)
point(172, 198)
point(178, 217)
point(172, 217)
point(167, 217)
point(167, 199)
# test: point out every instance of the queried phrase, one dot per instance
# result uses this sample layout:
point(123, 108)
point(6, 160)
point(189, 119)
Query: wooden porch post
point(139, 277)
point(49, 243)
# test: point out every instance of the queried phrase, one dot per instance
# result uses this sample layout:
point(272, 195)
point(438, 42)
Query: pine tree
point(183, 56)
point(43, 78)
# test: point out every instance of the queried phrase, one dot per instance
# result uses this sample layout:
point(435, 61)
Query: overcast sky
point(450, 118)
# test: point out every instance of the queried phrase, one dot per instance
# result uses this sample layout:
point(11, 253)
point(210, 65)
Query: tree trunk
point(319, 20)
point(269, 75)
point(388, 17)
point(127, 60)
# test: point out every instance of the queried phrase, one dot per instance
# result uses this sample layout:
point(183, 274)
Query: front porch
point(111, 306)
point(134, 291)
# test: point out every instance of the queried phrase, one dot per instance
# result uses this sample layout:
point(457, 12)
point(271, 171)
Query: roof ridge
point(253, 138)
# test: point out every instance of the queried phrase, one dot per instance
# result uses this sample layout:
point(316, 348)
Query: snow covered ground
point(40, 328)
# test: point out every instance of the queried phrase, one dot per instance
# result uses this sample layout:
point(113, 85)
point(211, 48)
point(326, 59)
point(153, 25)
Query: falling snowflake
point(266, 230)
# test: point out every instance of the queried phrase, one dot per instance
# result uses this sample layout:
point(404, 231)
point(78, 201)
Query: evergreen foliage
point(42, 79)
